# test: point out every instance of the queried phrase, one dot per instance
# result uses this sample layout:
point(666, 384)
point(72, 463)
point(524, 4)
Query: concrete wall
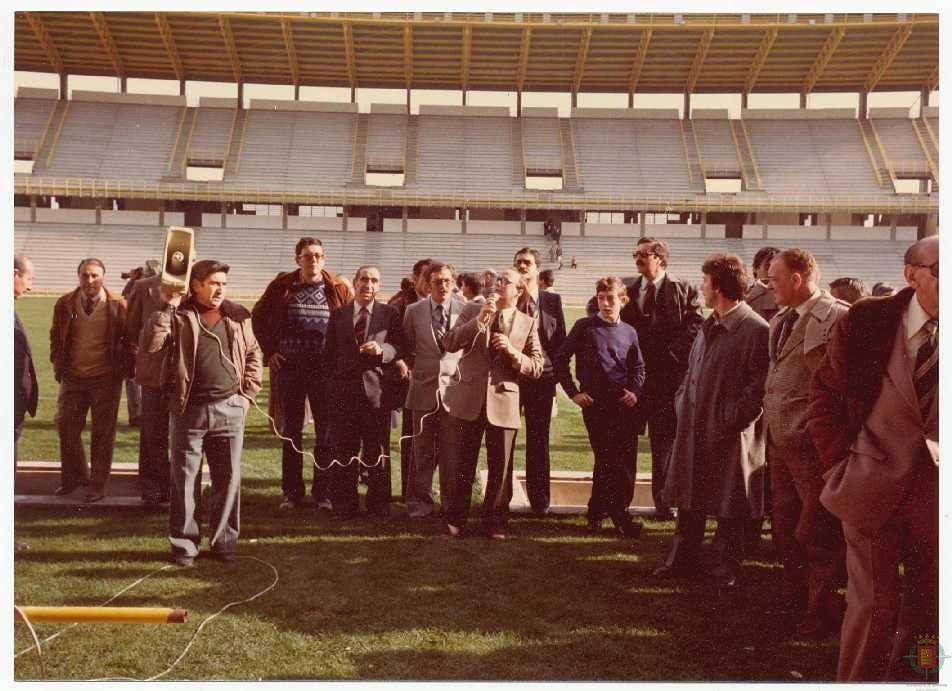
point(22, 213)
point(175, 218)
point(65, 215)
point(714, 230)
point(315, 223)
point(613, 230)
point(535, 228)
point(753, 231)
point(858, 233)
point(907, 233)
point(433, 225)
point(570, 229)
point(250, 221)
point(494, 227)
point(792, 232)
point(671, 230)
point(211, 220)
point(130, 218)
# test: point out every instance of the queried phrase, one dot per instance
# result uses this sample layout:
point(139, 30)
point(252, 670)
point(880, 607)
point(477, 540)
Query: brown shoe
point(92, 497)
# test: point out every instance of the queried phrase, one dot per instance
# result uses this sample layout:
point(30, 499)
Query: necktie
point(649, 306)
point(439, 328)
point(786, 328)
point(88, 307)
point(926, 376)
point(360, 328)
point(529, 306)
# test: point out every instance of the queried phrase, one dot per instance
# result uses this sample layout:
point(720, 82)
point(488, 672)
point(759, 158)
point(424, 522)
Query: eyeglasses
point(642, 253)
point(309, 257)
point(933, 268)
point(502, 281)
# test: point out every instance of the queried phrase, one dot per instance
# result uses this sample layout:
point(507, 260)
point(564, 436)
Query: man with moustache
point(536, 395)
point(213, 371)
point(808, 538)
point(666, 313)
point(874, 417)
point(90, 360)
point(431, 369)
point(499, 344)
point(290, 322)
point(364, 340)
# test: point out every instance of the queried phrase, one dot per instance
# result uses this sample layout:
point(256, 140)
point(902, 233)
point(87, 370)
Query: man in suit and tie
point(364, 341)
point(425, 325)
point(666, 312)
point(808, 538)
point(536, 395)
point(499, 344)
point(25, 389)
point(874, 417)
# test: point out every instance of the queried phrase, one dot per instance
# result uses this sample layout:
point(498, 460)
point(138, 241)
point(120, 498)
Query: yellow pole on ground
point(102, 615)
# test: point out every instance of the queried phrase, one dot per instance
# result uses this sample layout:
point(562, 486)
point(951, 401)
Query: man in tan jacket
point(808, 538)
point(499, 343)
point(90, 359)
point(212, 372)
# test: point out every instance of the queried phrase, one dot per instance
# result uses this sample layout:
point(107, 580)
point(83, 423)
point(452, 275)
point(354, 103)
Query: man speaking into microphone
point(499, 343)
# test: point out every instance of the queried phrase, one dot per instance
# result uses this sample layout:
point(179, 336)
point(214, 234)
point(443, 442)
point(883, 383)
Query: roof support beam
point(43, 36)
point(169, 40)
point(524, 56)
point(349, 52)
point(408, 55)
point(581, 57)
point(225, 24)
point(760, 59)
point(293, 66)
point(932, 81)
point(105, 35)
point(822, 59)
point(702, 47)
point(889, 54)
point(639, 63)
point(467, 55)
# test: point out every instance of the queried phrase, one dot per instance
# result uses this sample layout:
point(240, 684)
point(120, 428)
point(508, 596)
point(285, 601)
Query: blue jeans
point(218, 430)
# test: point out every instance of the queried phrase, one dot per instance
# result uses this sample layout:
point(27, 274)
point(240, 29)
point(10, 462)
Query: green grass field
point(389, 600)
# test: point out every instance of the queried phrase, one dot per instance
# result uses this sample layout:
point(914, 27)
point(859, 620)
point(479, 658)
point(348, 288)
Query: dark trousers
point(662, 426)
point(535, 399)
point(685, 553)
point(406, 452)
point(461, 440)
point(153, 444)
point(76, 399)
point(364, 433)
point(610, 427)
point(887, 614)
point(808, 538)
point(297, 383)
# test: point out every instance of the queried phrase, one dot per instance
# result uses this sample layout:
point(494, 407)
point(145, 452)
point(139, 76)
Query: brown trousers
point(76, 399)
point(886, 615)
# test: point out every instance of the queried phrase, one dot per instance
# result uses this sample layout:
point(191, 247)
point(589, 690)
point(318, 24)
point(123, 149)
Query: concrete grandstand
point(101, 174)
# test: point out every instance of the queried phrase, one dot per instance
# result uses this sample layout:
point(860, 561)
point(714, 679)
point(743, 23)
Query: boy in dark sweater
point(611, 372)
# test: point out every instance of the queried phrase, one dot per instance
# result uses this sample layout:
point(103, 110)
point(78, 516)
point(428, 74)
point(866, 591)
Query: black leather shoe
point(670, 571)
point(92, 497)
point(64, 491)
point(628, 529)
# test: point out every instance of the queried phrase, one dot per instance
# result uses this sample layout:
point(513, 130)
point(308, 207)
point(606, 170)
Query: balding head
point(22, 275)
point(922, 272)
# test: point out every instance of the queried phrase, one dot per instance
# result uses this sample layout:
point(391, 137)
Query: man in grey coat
point(717, 460)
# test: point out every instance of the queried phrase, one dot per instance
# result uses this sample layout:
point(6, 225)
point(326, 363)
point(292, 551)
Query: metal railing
point(220, 192)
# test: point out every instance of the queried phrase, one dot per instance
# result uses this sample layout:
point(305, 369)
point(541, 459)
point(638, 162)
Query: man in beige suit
point(874, 417)
point(499, 343)
point(808, 538)
point(425, 324)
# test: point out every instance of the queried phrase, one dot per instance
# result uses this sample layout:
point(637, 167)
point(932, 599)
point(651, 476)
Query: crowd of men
point(818, 409)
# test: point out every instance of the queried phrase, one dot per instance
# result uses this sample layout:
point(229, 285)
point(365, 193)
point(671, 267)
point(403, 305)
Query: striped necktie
point(439, 327)
point(360, 327)
point(926, 375)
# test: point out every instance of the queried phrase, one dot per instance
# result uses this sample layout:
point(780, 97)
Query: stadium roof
point(621, 53)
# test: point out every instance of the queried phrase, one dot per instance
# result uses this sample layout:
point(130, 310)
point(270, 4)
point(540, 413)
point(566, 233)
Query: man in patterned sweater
point(290, 322)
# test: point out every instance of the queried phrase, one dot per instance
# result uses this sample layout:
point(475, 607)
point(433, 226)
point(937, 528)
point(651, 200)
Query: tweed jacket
point(488, 380)
point(864, 417)
point(430, 369)
point(788, 378)
point(175, 333)
point(64, 313)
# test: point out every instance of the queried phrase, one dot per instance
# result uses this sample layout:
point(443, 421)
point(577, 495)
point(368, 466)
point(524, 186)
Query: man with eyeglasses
point(666, 313)
point(874, 417)
point(290, 322)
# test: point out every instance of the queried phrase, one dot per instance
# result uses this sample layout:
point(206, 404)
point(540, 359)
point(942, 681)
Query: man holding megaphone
point(213, 369)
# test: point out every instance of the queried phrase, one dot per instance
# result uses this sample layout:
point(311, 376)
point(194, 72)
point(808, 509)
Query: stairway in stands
point(518, 155)
point(747, 159)
point(410, 158)
point(47, 146)
point(175, 171)
point(877, 158)
point(359, 168)
point(237, 143)
point(571, 180)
